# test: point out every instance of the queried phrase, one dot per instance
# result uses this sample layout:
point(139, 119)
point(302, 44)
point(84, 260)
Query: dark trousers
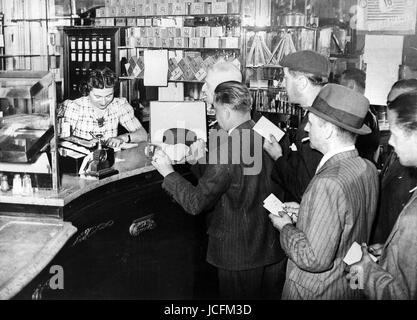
point(264, 283)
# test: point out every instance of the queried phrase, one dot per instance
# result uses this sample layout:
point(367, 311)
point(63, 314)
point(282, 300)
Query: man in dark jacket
point(305, 74)
point(243, 245)
point(396, 181)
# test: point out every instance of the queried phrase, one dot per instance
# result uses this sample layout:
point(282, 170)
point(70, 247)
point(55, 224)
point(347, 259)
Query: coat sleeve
point(295, 170)
point(314, 248)
point(194, 199)
point(400, 280)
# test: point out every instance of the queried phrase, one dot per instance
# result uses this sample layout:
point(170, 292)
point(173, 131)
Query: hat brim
point(362, 131)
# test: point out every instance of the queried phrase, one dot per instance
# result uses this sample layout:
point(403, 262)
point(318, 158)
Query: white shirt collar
point(230, 131)
point(332, 153)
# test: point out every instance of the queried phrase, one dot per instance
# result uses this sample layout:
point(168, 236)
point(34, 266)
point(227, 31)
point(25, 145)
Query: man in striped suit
point(339, 204)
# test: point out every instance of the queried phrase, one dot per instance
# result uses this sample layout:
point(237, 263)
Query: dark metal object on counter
point(142, 224)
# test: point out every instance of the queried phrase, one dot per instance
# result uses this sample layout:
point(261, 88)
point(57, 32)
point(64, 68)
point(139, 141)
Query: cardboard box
point(212, 43)
point(197, 8)
point(219, 8)
point(188, 32)
point(151, 42)
point(100, 22)
point(186, 69)
point(165, 43)
point(121, 11)
point(110, 22)
point(174, 32)
point(148, 9)
point(203, 32)
point(179, 8)
point(175, 71)
point(112, 12)
point(121, 22)
point(164, 33)
point(100, 12)
point(162, 9)
point(229, 42)
point(216, 32)
point(196, 42)
point(134, 11)
point(181, 42)
point(131, 22)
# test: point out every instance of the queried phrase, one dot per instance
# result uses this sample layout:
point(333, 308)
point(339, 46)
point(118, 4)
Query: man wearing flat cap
point(305, 74)
point(339, 204)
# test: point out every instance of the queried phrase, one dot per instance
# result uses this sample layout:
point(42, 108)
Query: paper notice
point(265, 128)
point(156, 68)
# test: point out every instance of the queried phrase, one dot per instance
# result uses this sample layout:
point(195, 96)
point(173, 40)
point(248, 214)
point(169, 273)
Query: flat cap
point(343, 107)
point(309, 62)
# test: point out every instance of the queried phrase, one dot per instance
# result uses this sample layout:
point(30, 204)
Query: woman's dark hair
point(235, 94)
point(405, 107)
point(102, 78)
point(99, 78)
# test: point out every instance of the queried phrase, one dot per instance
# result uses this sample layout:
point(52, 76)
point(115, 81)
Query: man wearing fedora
point(305, 74)
point(339, 204)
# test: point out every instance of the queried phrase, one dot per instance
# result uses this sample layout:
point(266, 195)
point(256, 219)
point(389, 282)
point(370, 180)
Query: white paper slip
point(273, 204)
point(265, 128)
point(355, 254)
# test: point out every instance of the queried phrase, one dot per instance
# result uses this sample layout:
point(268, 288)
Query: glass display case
point(27, 127)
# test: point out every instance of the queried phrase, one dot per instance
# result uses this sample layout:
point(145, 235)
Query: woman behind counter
point(100, 112)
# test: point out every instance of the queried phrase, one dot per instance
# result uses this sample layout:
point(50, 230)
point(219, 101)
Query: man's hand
point(281, 221)
point(197, 151)
point(356, 270)
point(376, 249)
point(162, 163)
point(292, 209)
point(273, 148)
point(114, 142)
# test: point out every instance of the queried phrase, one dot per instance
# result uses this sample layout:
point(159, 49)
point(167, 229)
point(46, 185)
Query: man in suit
point(305, 73)
point(339, 204)
point(242, 245)
point(394, 276)
point(367, 145)
point(396, 181)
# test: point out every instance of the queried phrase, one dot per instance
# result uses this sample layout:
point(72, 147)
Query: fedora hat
point(343, 107)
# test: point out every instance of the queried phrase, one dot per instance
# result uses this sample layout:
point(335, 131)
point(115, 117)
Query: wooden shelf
point(172, 16)
point(184, 49)
point(173, 81)
point(275, 28)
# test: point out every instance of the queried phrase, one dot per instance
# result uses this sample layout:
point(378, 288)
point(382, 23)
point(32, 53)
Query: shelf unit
point(269, 98)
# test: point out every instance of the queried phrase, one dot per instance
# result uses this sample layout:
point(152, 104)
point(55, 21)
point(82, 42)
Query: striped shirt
point(83, 120)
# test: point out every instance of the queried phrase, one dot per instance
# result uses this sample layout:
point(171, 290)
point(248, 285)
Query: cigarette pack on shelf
point(196, 42)
point(175, 72)
point(197, 8)
point(186, 69)
point(219, 7)
point(212, 43)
